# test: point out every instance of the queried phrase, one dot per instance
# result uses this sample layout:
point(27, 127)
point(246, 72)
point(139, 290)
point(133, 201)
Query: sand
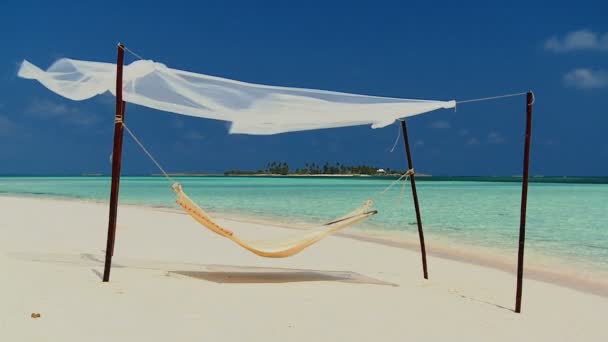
point(172, 280)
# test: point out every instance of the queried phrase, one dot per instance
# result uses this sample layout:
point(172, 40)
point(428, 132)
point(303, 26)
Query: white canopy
point(252, 108)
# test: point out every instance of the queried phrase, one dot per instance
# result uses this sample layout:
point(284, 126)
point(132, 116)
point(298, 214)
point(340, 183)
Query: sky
point(422, 50)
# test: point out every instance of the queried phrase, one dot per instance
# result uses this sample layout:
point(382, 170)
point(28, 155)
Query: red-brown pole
point(415, 195)
point(119, 168)
point(116, 163)
point(524, 201)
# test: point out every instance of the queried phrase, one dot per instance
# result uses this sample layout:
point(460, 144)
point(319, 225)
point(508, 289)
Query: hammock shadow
point(228, 274)
point(223, 274)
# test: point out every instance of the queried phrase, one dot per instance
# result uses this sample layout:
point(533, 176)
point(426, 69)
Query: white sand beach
point(173, 280)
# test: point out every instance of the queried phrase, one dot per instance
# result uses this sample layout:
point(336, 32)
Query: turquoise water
point(566, 221)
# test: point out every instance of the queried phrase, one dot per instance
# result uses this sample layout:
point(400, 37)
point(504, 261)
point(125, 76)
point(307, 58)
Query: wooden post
point(524, 201)
point(120, 139)
point(415, 195)
point(116, 163)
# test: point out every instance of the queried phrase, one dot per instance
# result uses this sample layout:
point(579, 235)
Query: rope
point(400, 201)
point(147, 153)
point(131, 52)
point(533, 98)
point(396, 139)
point(405, 175)
point(491, 98)
point(119, 117)
point(402, 193)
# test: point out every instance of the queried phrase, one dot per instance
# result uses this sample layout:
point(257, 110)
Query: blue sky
point(426, 50)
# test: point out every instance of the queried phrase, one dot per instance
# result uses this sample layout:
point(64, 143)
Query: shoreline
point(172, 279)
point(537, 268)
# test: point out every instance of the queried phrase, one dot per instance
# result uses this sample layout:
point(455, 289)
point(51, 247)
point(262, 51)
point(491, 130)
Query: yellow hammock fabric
point(275, 248)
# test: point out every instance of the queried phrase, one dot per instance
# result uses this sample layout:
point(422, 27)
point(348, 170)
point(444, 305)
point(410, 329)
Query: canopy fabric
point(280, 247)
point(252, 108)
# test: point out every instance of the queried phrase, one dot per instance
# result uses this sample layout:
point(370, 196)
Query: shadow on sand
point(260, 275)
point(221, 274)
point(214, 273)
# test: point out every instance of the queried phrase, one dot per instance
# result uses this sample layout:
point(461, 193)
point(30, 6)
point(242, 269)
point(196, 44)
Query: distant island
point(316, 169)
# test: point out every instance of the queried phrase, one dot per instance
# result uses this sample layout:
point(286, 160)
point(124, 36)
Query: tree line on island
point(282, 168)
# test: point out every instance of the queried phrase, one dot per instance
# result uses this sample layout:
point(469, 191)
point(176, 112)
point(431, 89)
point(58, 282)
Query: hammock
point(274, 248)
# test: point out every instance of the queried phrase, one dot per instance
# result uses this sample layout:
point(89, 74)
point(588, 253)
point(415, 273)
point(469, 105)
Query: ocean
point(567, 222)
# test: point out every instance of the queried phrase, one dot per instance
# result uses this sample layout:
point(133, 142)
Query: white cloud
point(419, 142)
point(551, 142)
point(473, 141)
point(57, 111)
point(583, 78)
point(441, 124)
point(578, 40)
point(495, 138)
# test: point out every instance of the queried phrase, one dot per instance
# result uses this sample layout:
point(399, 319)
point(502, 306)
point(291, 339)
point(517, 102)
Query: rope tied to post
point(490, 98)
point(139, 143)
